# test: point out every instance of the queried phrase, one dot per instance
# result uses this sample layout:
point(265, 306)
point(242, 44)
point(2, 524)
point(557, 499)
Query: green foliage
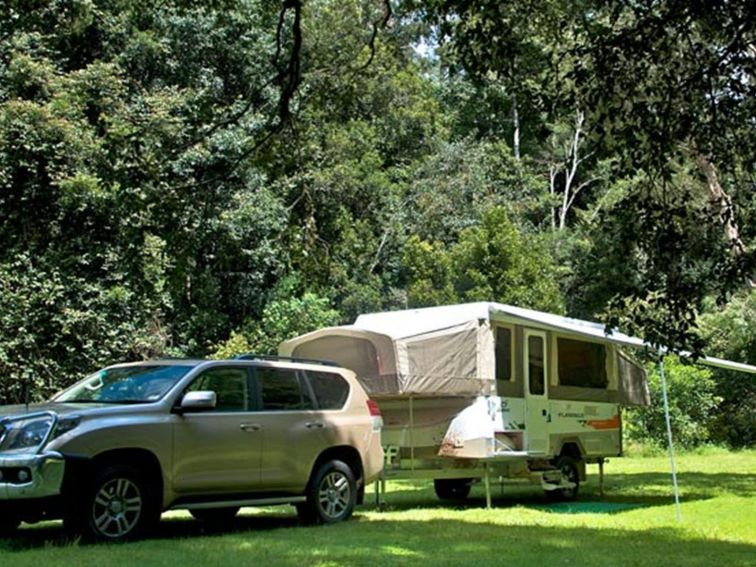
point(455, 186)
point(492, 261)
point(55, 328)
point(664, 86)
point(496, 262)
point(282, 319)
point(730, 332)
point(429, 273)
point(121, 132)
point(692, 402)
point(652, 259)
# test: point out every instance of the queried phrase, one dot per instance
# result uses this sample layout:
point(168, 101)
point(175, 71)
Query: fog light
point(23, 475)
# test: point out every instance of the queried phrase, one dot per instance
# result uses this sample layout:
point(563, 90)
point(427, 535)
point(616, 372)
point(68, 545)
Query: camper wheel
point(571, 474)
point(452, 488)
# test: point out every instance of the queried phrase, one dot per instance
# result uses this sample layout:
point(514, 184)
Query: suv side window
point(231, 386)
point(331, 390)
point(282, 390)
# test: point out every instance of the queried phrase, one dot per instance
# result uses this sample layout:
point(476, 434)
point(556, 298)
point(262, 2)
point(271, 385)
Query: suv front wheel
point(122, 504)
point(331, 495)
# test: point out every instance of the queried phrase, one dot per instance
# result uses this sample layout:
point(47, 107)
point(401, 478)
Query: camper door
point(536, 368)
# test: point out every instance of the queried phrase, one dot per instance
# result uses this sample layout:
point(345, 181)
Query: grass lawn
point(633, 525)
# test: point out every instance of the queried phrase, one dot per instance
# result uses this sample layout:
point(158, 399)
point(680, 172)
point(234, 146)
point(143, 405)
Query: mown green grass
point(633, 525)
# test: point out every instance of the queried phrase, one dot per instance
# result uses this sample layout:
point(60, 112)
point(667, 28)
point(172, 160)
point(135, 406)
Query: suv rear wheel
point(121, 505)
point(331, 494)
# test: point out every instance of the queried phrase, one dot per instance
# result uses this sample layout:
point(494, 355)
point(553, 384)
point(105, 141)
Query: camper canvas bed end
point(486, 390)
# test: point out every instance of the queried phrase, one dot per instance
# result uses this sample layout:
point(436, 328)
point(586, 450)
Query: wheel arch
point(85, 469)
point(353, 460)
point(572, 447)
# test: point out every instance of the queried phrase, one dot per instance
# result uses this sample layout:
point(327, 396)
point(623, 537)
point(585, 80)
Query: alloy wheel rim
point(117, 508)
point(334, 494)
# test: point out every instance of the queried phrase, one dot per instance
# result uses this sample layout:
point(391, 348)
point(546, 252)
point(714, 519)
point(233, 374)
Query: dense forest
point(198, 178)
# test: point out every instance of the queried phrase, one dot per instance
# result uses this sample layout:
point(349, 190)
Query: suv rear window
point(280, 390)
point(331, 390)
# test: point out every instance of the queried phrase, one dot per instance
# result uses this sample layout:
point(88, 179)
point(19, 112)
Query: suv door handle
point(314, 425)
point(250, 427)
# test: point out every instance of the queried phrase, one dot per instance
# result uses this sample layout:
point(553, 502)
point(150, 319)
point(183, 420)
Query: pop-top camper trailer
point(487, 390)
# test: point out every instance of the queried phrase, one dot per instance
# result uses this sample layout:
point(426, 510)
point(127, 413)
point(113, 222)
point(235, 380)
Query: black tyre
point(215, 516)
point(452, 488)
point(331, 494)
point(122, 504)
point(570, 473)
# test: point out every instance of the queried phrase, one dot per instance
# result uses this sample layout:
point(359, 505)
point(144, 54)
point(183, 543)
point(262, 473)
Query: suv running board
point(238, 503)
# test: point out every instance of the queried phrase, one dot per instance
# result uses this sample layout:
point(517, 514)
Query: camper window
point(536, 383)
point(503, 354)
point(581, 363)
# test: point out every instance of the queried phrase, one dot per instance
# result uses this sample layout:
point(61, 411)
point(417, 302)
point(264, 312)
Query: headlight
point(66, 424)
point(24, 434)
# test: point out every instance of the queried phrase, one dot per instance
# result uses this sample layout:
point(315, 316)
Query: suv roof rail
point(274, 358)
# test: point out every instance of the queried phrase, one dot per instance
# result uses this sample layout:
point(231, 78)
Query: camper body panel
point(595, 427)
point(420, 429)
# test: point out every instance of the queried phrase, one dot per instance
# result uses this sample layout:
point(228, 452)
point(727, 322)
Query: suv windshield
point(127, 384)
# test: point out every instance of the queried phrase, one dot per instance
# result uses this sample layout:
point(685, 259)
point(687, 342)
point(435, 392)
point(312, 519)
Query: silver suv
point(111, 453)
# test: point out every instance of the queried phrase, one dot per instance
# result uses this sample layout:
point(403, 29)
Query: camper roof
point(413, 322)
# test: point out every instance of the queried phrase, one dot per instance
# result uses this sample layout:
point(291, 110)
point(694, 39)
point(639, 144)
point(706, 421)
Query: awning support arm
point(669, 437)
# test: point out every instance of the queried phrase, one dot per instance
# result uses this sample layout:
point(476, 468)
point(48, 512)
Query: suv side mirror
point(198, 401)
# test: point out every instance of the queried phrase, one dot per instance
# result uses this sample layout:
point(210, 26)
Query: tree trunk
point(723, 202)
point(570, 192)
point(516, 124)
point(552, 191)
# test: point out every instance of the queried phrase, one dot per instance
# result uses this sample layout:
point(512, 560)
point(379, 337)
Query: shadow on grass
point(52, 533)
point(623, 491)
point(694, 485)
point(259, 539)
point(586, 504)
